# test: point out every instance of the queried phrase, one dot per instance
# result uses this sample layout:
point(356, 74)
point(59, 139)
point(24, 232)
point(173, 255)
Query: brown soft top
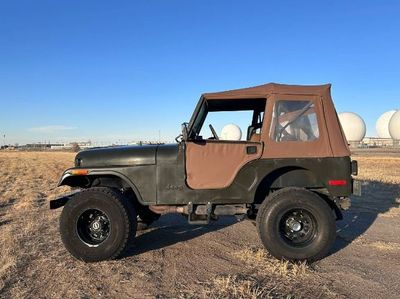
point(261, 91)
point(332, 141)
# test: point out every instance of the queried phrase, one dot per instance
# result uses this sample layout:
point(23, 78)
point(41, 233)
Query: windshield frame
point(197, 119)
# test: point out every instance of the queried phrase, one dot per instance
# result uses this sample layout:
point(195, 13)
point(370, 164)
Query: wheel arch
point(294, 176)
point(287, 176)
point(101, 179)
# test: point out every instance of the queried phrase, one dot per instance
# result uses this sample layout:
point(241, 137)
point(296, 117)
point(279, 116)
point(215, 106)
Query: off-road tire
point(269, 224)
point(122, 224)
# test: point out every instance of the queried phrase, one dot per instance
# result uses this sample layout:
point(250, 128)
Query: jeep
point(291, 173)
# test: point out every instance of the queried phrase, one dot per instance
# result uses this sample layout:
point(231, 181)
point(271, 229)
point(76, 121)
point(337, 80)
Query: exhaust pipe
point(200, 209)
point(168, 209)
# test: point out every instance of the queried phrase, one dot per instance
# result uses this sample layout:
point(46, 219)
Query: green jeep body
point(294, 142)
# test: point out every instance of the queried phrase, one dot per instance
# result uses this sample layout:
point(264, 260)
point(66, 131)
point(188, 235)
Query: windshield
point(199, 120)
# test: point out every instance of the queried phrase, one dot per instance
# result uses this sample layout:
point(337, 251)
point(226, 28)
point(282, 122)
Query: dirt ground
point(175, 260)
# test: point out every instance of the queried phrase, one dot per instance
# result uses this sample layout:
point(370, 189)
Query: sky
point(112, 71)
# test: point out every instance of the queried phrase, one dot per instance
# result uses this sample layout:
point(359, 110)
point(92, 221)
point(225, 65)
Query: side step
point(194, 218)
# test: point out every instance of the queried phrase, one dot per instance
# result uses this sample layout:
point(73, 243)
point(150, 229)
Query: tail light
point(354, 167)
point(337, 182)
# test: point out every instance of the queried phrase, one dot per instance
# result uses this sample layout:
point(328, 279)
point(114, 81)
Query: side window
point(294, 121)
point(231, 119)
point(229, 125)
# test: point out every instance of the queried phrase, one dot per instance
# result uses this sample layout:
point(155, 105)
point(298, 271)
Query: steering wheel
point(213, 132)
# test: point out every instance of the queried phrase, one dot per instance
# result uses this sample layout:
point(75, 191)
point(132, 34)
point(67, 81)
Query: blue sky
point(124, 70)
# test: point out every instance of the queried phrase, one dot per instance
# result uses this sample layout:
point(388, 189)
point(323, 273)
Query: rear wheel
point(296, 224)
point(97, 224)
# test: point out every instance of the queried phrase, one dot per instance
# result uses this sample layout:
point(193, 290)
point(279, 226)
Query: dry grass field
point(175, 260)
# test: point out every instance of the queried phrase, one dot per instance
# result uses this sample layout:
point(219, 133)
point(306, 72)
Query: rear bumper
point(356, 187)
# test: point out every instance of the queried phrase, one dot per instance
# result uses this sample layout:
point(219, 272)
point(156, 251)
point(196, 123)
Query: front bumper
point(60, 201)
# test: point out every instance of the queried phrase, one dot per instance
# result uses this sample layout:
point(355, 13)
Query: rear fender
point(294, 177)
point(290, 176)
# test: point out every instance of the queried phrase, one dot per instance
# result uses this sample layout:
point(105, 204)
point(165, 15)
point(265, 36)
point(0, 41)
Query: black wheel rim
point(298, 227)
point(93, 227)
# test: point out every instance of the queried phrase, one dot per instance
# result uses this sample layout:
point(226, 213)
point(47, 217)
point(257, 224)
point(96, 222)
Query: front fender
point(78, 177)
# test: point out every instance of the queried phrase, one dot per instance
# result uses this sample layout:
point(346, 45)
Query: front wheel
point(97, 224)
point(296, 224)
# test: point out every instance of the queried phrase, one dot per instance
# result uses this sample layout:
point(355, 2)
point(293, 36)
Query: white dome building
point(394, 126)
point(353, 126)
point(382, 124)
point(231, 132)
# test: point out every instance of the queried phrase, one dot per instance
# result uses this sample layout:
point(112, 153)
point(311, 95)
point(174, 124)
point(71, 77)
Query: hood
point(117, 156)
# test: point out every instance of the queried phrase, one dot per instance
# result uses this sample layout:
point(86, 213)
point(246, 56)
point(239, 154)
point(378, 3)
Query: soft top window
point(247, 112)
point(294, 121)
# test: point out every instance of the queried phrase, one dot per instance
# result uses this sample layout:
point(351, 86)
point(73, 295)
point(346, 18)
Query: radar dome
point(353, 126)
point(382, 124)
point(231, 132)
point(394, 126)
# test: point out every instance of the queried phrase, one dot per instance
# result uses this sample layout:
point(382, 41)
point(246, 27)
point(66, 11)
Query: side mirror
point(185, 131)
point(184, 135)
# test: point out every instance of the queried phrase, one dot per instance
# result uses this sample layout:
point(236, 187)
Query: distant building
point(378, 142)
point(36, 146)
point(69, 146)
